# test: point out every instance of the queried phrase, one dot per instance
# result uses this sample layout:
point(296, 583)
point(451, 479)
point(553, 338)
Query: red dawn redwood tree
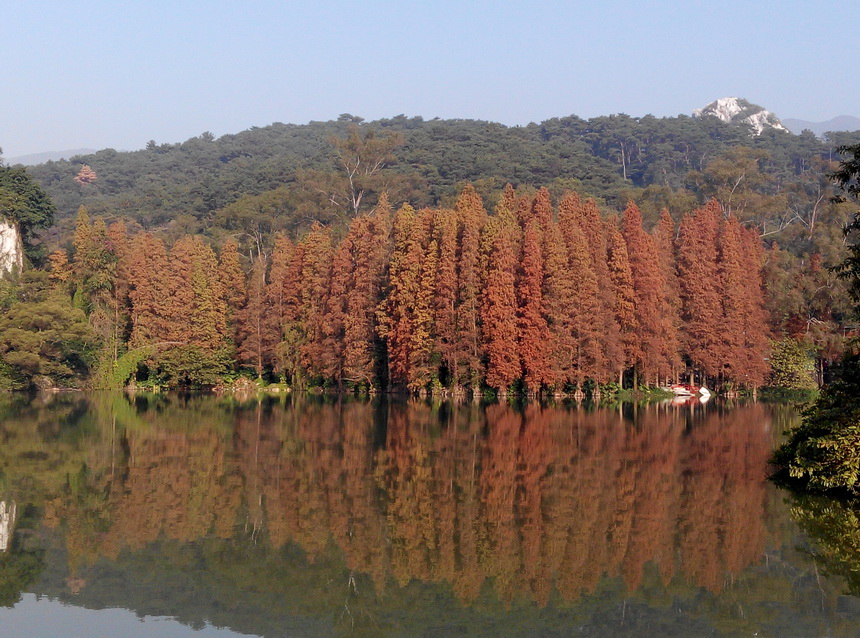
point(276, 295)
point(423, 368)
point(731, 286)
point(371, 239)
point(397, 312)
point(315, 281)
point(744, 334)
point(701, 306)
point(542, 208)
point(625, 299)
point(471, 217)
point(648, 288)
point(585, 215)
point(146, 263)
point(559, 296)
point(285, 294)
point(535, 347)
point(499, 301)
point(756, 328)
point(664, 241)
point(445, 292)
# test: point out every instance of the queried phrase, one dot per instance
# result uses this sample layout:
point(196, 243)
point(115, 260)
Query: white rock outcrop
point(740, 111)
point(7, 524)
point(11, 248)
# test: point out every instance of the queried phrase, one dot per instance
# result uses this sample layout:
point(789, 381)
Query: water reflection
point(833, 527)
point(7, 523)
point(536, 505)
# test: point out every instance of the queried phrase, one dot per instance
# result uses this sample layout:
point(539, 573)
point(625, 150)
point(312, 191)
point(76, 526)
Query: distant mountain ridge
point(736, 110)
point(839, 123)
point(48, 156)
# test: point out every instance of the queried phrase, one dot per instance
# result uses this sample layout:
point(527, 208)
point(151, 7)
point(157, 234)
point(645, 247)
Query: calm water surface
point(172, 516)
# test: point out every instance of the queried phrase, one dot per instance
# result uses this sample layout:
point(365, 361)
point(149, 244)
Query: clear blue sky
point(103, 74)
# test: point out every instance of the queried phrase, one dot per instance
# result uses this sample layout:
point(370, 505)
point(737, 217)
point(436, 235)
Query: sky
point(55, 619)
point(101, 74)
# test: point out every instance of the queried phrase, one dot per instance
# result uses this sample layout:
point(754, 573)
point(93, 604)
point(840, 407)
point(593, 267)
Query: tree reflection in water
point(527, 505)
point(833, 528)
point(532, 499)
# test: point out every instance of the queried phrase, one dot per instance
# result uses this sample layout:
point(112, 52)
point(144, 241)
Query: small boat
point(687, 390)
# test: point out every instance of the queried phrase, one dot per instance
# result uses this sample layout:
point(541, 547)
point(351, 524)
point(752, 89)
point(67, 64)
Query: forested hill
point(277, 250)
point(284, 176)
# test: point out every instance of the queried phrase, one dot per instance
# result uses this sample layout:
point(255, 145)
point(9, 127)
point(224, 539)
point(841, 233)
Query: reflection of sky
point(52, 619)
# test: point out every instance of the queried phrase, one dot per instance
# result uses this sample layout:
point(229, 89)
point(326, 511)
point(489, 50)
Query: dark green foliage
point(823, 452)
point(848, 174)
point(43, 337)
point(19, 569)
point(114, 375)
point(791, 366)
point(191, 366)
point(833, 526)
point(848, 177)
point(849, 269)
point(25, 203)
point(610, 158)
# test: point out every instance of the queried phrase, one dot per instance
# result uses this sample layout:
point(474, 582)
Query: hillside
point(277, 250)
point(839, 123)
point(671, 162)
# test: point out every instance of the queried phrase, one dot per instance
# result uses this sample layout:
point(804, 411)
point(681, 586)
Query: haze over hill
point(839, 123)
point(48, 156)
point(732, 110)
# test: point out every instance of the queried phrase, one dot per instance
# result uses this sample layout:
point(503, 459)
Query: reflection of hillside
point(531, 500)
point(834, 528)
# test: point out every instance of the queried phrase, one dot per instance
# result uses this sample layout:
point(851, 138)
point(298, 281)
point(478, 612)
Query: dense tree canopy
point(536, 298)
point(27, 205)
point(446, 295)
point(823, 453)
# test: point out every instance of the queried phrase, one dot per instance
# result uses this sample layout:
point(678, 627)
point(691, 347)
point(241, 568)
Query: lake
point(169, 515)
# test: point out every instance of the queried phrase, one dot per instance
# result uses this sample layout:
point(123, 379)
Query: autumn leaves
point(533, 298)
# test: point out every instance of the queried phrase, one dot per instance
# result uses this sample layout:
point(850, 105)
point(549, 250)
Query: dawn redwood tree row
point(532, 298)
